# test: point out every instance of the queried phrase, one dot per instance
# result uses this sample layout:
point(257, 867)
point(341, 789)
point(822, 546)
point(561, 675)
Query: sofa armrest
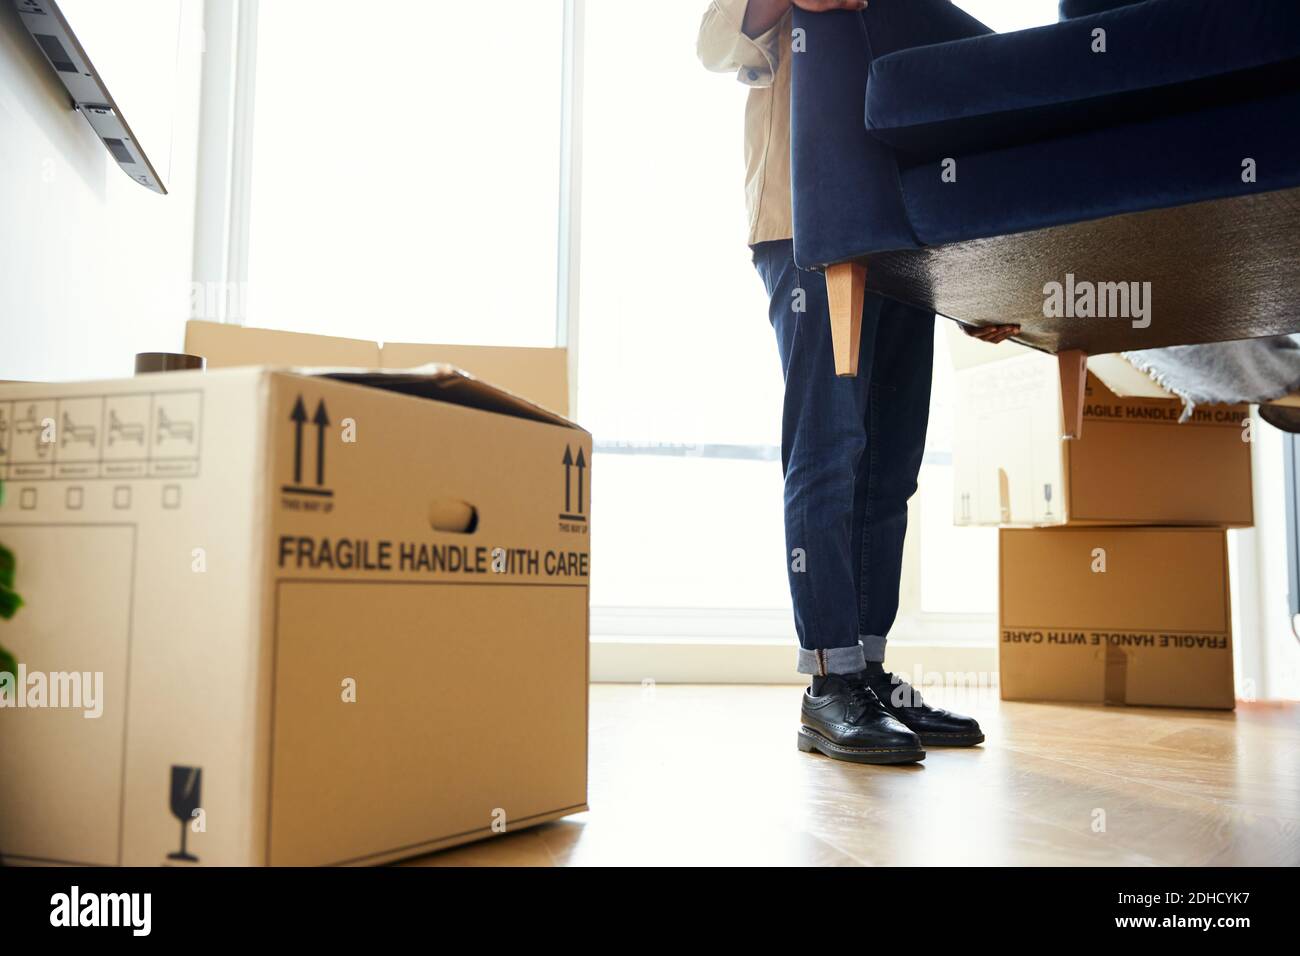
point(846, 192)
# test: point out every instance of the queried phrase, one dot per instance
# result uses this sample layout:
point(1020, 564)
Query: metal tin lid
point(167, 362)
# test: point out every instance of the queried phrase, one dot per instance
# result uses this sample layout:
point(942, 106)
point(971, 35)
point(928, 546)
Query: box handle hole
point(452, 515)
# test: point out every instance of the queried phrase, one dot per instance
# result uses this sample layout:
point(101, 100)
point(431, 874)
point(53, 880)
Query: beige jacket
point(762, 64)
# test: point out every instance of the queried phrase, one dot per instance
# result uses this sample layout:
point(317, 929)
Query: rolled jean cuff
point(832, 660)
point(873, 648)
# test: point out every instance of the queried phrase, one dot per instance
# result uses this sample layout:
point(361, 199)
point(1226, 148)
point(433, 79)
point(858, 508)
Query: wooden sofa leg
point(846, 283)
point(1074, 377)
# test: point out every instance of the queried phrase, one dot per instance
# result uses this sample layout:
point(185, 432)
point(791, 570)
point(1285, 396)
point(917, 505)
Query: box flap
point(1128, 381)
point(445, 383)
point(226, 346)
point(540, 375)
point(1120, 376)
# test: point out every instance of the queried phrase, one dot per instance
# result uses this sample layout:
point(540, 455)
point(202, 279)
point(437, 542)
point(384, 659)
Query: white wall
point(93, 267)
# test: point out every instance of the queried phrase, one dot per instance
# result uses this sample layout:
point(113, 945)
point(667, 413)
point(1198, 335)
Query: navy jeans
point(851, 450)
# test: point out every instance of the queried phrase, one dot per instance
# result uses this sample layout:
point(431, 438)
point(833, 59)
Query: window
point(679, 378)
point(405, 170)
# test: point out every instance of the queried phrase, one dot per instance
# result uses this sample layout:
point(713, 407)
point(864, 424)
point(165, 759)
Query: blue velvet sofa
point(964, 171)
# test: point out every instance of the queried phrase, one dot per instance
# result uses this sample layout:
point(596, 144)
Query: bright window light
point(678, 361)
point(1008, 15)
point(406, 170)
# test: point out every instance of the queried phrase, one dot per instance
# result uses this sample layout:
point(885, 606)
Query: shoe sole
point(951, 740)
point(810, 741)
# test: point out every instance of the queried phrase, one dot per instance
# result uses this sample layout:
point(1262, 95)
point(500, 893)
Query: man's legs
point(823, 441)
point(898, 411)
point(851, 450)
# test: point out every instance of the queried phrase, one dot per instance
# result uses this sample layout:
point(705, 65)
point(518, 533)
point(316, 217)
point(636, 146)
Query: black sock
point(819, 685)
point(875, 668)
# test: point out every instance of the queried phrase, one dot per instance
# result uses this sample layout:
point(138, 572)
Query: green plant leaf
point(7, 663)
point(8, 563)
point(10, 602)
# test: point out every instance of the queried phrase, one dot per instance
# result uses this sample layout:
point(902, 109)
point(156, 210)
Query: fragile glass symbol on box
point(187, 787)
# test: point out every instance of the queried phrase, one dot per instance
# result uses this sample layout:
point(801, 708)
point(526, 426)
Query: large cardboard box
point(1134, 463)
point(341, 617)
point(540, 375)
point(1120, 615)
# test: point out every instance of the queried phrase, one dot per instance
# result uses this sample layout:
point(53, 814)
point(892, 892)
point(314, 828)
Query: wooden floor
point(1055, 784)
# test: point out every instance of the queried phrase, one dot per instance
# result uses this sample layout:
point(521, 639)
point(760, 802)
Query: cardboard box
point(1134, 463)
point(342, 615)
point(1120, 615)
point(1124, 379)
point(537, 374)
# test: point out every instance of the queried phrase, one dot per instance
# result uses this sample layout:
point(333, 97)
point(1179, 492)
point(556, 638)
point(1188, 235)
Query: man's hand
point(762, 15)
point(993, 334)
point(821, 6)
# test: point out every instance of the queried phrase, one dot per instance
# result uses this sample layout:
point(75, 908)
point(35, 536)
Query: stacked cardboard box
point(1113, 572)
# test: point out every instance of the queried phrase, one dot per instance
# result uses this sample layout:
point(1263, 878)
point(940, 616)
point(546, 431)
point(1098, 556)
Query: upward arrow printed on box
point(569, 462)
point(299, 418)
point(321, 420)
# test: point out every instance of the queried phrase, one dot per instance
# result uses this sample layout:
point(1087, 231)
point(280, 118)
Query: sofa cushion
point(1173, 160)
point(1072, 9)
point(1011, 88)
